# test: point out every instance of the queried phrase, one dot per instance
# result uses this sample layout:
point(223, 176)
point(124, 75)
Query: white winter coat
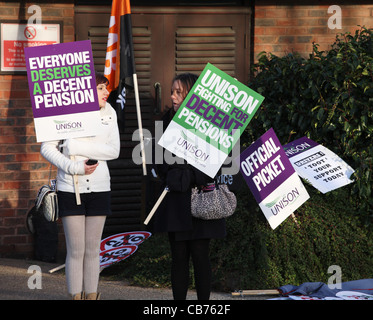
point(103, 147)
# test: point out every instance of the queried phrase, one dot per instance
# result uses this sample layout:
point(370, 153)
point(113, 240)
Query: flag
point(120, 62)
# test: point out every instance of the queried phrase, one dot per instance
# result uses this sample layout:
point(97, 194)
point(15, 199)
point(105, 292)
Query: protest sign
point(318, 165)
point(122, 239)
point(272, 179)
point(117, 247)
point(120, 246)
point(108, 257)
point(63, 92)
point(210, 120)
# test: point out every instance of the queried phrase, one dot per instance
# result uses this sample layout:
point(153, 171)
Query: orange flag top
point(112, 61)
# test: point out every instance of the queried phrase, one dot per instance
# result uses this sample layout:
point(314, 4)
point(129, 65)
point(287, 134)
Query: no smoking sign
point(30, 32)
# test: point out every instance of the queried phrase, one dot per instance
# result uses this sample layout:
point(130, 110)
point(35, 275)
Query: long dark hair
point(187, 80)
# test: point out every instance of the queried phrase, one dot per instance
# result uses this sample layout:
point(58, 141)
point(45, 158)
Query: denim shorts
point(92, 204)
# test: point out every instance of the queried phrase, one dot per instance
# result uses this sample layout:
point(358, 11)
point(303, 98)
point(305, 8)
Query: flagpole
point(127, 10)
point(136, 89)
point(121, 26)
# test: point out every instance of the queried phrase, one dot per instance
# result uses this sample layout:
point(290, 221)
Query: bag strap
point(50, 174)
point(210, 186)
point(60, 149)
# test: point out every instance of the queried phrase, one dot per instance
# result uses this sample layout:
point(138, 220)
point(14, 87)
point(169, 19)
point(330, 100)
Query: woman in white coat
point(83, 224)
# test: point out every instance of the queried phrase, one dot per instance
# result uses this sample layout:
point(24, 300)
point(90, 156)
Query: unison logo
point(298, 148)
point(282, 202)
point(191, 147)
point(64, 125)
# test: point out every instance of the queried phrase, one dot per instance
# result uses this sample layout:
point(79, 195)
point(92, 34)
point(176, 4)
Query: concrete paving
point(19, 280)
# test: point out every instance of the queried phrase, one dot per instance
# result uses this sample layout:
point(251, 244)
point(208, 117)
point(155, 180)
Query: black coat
point(174, 213)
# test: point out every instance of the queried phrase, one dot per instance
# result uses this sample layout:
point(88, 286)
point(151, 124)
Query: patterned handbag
point(215, 204)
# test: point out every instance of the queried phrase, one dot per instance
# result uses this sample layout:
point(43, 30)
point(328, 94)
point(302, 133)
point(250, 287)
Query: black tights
point(181, 252)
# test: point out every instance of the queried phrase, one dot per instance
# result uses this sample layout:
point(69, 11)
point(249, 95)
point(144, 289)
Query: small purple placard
point(265, 166)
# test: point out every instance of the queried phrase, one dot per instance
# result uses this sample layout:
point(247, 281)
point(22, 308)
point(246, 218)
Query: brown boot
point(78, 296)
point(93, 296)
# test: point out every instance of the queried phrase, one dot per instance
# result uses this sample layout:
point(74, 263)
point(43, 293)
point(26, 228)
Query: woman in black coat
point(188, 236)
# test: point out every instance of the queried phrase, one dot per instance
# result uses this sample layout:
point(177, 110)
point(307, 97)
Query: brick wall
point(22, 169)
point(284, 28)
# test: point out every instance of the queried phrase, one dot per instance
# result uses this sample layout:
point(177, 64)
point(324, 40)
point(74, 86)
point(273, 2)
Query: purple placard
point(265, 166)
point(61, 79)
point(298, 146)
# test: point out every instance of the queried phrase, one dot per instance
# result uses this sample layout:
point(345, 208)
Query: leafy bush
point(329, 98)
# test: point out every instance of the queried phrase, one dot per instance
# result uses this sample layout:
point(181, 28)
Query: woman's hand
point(89, 169)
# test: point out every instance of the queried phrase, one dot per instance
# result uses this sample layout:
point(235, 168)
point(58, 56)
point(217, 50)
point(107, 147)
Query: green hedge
point(329, 98)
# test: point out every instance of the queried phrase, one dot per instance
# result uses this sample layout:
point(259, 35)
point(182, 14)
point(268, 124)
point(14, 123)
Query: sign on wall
point(272, 179)
point(210, 120)
point(17, 36)
point(63, 91)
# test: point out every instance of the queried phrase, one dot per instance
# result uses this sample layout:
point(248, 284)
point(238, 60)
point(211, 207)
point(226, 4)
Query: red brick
point(318, 13)
point(9, 185)
point(276, 13)
point(8, 139)
point(28, 157)
point(307, 23)
point(276, 31)
point(260, 13)
point(68, 12)
point(14, 240)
